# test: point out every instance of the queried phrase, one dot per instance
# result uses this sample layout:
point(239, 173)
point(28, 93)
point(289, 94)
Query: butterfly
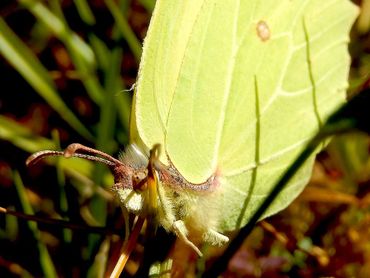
point(146, 187)
point(220, 91)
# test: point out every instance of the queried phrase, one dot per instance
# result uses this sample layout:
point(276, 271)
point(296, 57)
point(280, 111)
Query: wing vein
point(229, 79)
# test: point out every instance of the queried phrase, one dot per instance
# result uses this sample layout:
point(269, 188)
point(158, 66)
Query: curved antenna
point(71, 151)
point(36, 157)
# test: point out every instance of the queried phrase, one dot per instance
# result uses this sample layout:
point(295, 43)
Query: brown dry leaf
point(317, 194)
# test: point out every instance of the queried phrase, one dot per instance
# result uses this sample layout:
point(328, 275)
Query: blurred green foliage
point(66, 66)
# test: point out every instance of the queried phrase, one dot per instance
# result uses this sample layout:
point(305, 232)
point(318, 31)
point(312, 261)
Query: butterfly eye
point(139, 179)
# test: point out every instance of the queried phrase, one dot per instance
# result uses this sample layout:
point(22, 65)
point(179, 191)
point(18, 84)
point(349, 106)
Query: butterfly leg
point(179, 228)
point(169, 222)
point(214, 238)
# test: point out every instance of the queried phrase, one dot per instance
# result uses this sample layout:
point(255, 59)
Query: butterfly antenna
point(73, 150)
point(36, 157)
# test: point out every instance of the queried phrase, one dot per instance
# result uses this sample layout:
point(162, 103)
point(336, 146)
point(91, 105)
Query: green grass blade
point(25, 62)
point(61, 30)
point(99, 266)
point(101, 51)
point(148, 5)
point(63, 201)
point(105, 138)
point(105, 133)
point(108, 112)
point(22, 137)
point(85, 12)
point(123, 104)
point(11, 228)
point(81, 53)
point(46, 263)
point(125, 29)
